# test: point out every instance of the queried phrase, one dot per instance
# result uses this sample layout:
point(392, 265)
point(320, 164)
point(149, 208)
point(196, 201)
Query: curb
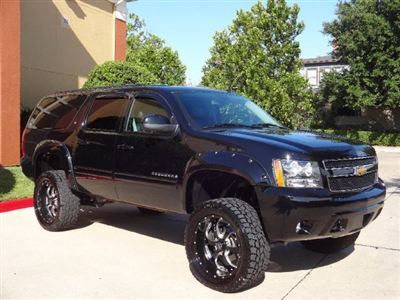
point(15, 204)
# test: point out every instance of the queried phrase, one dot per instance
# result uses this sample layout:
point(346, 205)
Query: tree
point(366, 36)
point(150, 52)
point(258, 55)
point(119, 73)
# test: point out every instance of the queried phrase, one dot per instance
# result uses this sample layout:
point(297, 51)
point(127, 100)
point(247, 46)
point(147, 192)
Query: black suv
point(247, 181)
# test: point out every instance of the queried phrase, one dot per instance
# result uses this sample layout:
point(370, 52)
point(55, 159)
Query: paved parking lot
point(119, 253)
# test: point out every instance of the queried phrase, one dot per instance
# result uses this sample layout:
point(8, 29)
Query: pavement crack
point(396, 191)
point(378, 247)
point(304, 277)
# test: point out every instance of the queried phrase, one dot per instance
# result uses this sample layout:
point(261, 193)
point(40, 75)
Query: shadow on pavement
point(294, 257)
point(7, 181)
point(393, 183)
point(170, 227)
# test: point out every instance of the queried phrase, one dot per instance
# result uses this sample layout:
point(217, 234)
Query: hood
point(308, 144)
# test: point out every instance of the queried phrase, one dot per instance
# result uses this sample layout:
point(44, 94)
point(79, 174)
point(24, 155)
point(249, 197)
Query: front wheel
point(226, 246)
point(331, 245)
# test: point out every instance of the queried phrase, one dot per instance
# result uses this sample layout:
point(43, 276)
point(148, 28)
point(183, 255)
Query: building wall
point(9, 82)
point(315, 73)
point(61, 41)
point(372, 118)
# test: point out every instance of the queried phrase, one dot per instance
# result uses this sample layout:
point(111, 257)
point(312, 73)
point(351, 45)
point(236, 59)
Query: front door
point(149, 167)
point(94, 153)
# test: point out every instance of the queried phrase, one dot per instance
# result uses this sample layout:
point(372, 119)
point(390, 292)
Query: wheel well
point(50, 160)
point(205, 185)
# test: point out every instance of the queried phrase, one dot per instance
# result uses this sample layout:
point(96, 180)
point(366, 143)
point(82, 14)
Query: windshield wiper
point(266, 125)
point(226, 125)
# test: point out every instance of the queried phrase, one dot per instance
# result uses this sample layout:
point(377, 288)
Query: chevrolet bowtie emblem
point(360, 171)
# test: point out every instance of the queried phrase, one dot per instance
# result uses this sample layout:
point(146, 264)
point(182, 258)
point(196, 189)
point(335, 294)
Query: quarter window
point(56, 112)
point(106, 113)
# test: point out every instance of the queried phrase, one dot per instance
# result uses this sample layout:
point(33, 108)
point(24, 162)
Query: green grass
point(14, 184)
point(369, 137)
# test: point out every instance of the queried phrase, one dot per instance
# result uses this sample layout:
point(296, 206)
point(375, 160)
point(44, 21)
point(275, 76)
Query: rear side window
point(107, 113)
point(56, 112)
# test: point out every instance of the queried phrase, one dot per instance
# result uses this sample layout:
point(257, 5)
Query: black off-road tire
point(331, 245)
point(148, 211)
point(254, 248)
point(67, 212)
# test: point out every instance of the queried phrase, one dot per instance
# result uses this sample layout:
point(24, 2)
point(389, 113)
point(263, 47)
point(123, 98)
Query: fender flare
point(229, 162)
point(46, 146)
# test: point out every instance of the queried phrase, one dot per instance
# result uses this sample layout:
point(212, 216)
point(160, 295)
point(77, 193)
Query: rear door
point(94, 153)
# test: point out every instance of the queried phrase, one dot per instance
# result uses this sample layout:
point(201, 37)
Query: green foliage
point(369, 137)
point(150, 52)
point(119, 73)
point(14, 184)
point(366, 36)
point(259, 57)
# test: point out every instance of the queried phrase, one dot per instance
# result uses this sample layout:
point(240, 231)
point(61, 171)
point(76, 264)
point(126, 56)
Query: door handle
point(125, 147)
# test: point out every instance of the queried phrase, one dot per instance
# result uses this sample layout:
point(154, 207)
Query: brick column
point(120, 14)
point(9, 82)
point(120, 39)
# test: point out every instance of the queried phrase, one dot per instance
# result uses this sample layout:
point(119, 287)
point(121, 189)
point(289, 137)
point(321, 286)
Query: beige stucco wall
point(61, 41)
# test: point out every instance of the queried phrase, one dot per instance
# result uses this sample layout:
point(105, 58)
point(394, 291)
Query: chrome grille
point(351, 174)
point(353, 162)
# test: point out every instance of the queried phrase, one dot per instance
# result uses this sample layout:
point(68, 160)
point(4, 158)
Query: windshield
point(208, 109)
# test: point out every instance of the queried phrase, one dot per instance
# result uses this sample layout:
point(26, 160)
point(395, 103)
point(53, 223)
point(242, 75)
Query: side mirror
point(158, 124)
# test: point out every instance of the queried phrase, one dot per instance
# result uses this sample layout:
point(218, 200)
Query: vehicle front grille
point(343, 184)
point(353, 162)
point(352, 174)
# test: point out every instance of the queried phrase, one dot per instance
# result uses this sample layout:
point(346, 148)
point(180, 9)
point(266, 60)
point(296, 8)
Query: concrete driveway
point(119, 253)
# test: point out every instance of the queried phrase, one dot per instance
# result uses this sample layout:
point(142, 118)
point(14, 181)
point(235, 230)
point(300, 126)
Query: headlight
point(297, 174)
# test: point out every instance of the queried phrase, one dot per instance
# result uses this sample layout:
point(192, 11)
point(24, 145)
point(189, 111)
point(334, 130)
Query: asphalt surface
point(118, 252)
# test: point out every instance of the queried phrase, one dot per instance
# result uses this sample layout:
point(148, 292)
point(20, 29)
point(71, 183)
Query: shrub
point(114, 73)
point(369, 137)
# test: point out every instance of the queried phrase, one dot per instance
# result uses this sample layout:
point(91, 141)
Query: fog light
point(304, 227)
point(339, 226)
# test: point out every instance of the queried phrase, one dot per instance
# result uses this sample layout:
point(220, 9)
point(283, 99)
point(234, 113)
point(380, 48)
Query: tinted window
point(141, 108)
point(106, 113)
point(56, 112)
point(207, 108)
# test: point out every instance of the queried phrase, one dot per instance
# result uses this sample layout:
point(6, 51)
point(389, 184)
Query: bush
point(369, 137)
point(114, 73)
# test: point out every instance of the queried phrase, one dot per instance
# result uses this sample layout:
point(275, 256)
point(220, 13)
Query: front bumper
point(302, 214)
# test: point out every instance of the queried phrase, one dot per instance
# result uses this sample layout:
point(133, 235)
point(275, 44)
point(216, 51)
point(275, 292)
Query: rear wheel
point(226, 246)
point(331, 245)
point(56, 207)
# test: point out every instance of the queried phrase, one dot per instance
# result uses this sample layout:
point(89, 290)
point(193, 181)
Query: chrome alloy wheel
point(48, 201)
point(217, 247)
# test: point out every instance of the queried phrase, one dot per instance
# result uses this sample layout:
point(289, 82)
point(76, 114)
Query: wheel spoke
point(220, 229)
point(48, 201)
point(219, 266)
point(227, 257)
point(218, 243)
point(211, 233)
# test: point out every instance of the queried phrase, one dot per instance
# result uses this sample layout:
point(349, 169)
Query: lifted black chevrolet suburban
point(247, 181)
